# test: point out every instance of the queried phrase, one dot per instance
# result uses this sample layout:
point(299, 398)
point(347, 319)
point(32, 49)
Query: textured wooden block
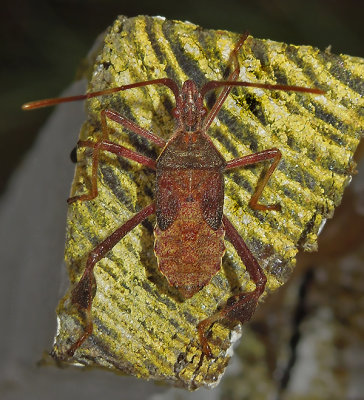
point(141, 324)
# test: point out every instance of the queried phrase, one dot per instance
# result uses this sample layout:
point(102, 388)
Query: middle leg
point(274, 154)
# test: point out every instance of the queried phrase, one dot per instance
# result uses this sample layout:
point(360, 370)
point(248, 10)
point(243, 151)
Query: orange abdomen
point(189, 252)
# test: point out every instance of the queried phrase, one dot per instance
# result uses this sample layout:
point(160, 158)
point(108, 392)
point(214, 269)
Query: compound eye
point(175, 112)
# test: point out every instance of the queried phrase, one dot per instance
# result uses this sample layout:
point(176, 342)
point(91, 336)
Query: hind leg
point(82, 294)
point(241, 306)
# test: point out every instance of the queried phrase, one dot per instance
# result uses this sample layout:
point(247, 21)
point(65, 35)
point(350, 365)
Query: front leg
point(241, 306)
point(103, 144)
point(233, 76)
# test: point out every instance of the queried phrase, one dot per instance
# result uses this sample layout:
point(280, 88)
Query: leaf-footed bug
point(191, 225)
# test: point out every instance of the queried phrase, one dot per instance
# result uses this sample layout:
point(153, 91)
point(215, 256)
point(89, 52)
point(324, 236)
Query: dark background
point(44, 42)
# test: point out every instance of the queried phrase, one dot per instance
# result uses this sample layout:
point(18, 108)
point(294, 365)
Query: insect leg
point(233, 76)
point(113, 115)
point(241, 306)
point(120, 151)
point(104, 144)
point(82, 294)
point(274, 154)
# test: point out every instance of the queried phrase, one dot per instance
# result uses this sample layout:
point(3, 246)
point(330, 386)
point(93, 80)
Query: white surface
point(32, 226)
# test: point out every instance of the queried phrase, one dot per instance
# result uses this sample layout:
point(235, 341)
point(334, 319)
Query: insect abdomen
point(189, 252)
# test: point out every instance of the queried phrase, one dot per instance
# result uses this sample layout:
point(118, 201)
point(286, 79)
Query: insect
point(189, 197)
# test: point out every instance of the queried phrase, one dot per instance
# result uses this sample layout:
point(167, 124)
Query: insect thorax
point(190, 150)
